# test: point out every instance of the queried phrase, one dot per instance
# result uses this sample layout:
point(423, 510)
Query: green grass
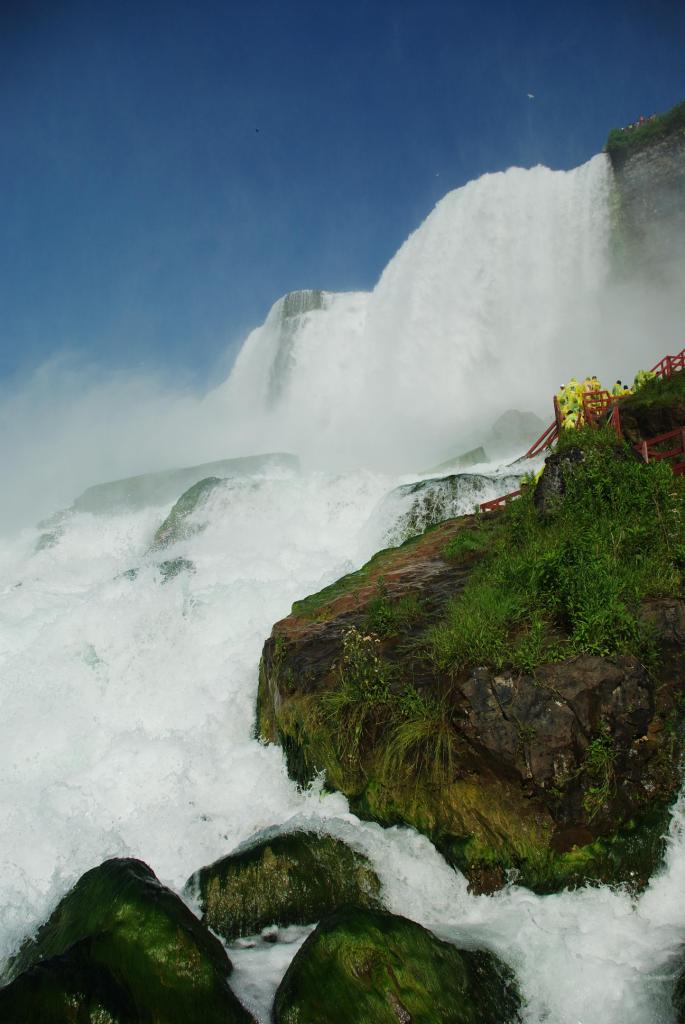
point(630, 140)
point(468, 542)
point(422, 743)
point(571, 583)
point(373, 709)
point(657, 392)
point(589, 438)
point(598, 766)
point(387, 618)
point(316, 604)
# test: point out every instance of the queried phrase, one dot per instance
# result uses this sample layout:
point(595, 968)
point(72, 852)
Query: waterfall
point(489, 305)
point(128, 699)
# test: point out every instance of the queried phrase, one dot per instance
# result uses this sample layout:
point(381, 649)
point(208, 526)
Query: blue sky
point(167, 170)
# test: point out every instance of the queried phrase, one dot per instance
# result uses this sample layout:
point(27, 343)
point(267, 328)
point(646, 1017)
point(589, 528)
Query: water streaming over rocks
point(128, 706)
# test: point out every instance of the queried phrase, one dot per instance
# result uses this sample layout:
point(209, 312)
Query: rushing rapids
point(128, 697)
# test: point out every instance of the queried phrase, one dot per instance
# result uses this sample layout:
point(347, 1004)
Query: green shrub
point(598, 766)
point(630, 140)
point(467, 542)
point(574, 582)
point(386, 618)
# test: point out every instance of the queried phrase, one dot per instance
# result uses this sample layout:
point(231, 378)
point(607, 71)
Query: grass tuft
point(573, 583)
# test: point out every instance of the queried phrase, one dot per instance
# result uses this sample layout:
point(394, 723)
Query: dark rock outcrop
point(657, 409)
point(366, 966)
point(649, 216)
point(564, 775)
point(292, 878)
point(121, 948)
point(551, 486)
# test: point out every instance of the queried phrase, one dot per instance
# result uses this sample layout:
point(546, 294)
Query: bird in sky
point(531, 95)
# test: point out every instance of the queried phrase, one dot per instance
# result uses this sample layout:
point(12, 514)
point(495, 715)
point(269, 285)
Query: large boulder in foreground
point(293, 878)
point(121, 948)
point(374, 968)
point(554, 776)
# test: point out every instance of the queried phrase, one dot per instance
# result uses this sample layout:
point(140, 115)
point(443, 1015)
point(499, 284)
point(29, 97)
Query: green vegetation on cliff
point(624, 141)
point(508, 684)
point(572, 581)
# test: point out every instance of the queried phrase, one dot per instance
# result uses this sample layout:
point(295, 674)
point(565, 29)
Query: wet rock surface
point(121, 948)
point(551, 486)
point(564, 774)
point(387, 970)
point(293, 878)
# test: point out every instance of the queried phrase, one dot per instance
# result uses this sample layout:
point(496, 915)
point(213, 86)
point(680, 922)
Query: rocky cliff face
point(563, 773)
point(513, 685)
point(649, 200)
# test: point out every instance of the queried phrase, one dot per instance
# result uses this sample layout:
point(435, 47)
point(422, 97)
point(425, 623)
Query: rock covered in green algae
point(294, 878)
point(121, 948)
point(173, 567)
point(373, 968)
point(563, 774)
point(176, 527)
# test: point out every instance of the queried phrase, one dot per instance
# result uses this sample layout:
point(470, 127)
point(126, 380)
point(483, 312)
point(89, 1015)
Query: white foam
point(127, 706)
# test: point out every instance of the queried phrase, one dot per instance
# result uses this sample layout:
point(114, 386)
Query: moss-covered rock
point(374, 968)
point(510, 685)
point(173, 567)
point(176, 525)
point(121, 948)
point(657, 408)
point(294, 878)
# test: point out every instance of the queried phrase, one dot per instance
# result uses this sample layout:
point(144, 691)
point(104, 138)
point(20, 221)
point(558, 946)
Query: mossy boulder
point(375, 968)
point(657, 408)
point(294, 878)
point(176, 526)
point(173, 567)
point(121, 948)
point(531, 729)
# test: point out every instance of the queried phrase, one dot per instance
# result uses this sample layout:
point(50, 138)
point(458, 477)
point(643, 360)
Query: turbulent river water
point(128, 703)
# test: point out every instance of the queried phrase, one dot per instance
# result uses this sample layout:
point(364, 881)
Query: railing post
point(645, 451)
point(668, 366)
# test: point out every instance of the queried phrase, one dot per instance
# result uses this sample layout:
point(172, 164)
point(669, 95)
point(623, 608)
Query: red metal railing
point(600, 406)
point(670, 364)
point(648, 449)
point(596, 406)
point(545, 440)
point(488, 506)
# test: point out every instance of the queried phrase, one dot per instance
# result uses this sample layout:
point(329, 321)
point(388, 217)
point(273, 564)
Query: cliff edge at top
point(648, 159)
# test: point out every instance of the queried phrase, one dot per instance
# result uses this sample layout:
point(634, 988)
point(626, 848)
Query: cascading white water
point(468, 319)
point(127, 704)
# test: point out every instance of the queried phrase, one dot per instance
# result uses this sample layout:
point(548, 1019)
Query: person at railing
point(641, 378)
point(562, 398)
point(617, 389)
